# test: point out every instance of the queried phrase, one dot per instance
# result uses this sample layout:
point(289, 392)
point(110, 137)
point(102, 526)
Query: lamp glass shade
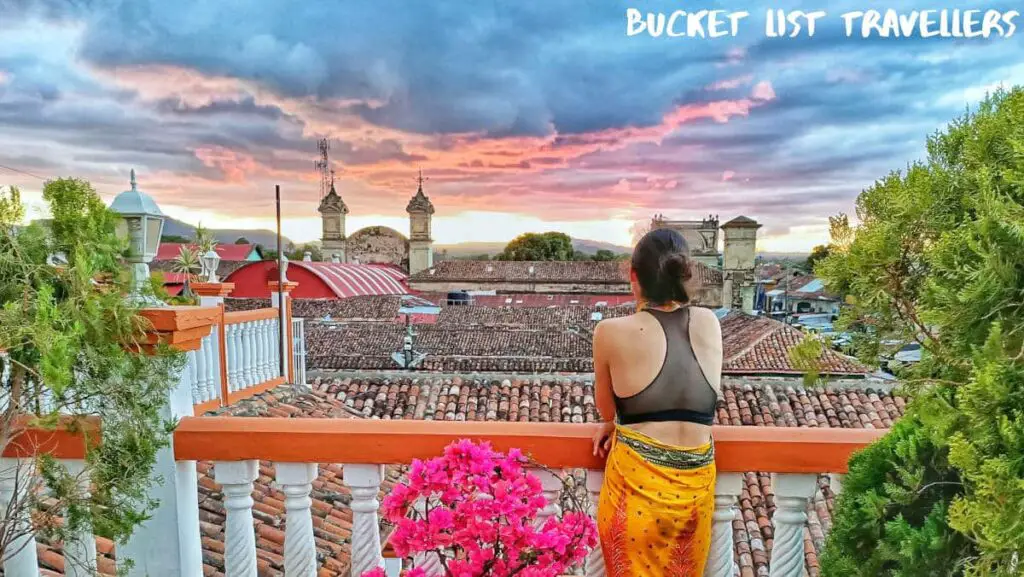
point(153, 230)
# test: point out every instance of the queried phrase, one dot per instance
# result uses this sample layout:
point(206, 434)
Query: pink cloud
point(763, 91)
point(731, 83)
point(727, 175)
point(469, 171)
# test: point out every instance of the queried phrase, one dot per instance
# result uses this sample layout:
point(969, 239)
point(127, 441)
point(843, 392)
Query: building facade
point(701, 236)
point(739, 278)
point(379, 244)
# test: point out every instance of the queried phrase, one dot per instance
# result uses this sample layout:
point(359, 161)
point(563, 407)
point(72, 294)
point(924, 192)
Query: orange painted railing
point(69, 439)
point(247, 316)
point(559, 445)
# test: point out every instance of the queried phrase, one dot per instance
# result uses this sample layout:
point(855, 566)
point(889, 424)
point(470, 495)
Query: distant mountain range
point(267, 238)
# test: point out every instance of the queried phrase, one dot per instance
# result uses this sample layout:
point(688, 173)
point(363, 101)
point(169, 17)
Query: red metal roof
point(349, 280)
point(227, 252)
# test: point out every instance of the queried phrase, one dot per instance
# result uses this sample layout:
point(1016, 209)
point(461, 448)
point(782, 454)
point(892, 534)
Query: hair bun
point(676, 266)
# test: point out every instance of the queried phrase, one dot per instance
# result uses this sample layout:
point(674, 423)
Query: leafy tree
point(242, 240)
point(818, 254)
point(299, 253)
point(543, 246)
point(67, 335)
point(938, 259)
point(605, 255)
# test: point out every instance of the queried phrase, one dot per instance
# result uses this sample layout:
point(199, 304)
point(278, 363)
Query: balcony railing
point(235, 445)
point(242, 357)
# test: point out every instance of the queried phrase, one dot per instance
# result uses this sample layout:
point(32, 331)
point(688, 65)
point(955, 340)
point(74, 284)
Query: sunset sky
point(525, 115)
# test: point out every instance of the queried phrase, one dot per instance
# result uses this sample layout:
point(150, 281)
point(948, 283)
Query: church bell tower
point(332, 212)
point(421, 246)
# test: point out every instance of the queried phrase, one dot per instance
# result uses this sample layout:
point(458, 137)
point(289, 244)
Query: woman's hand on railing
point(603, 439)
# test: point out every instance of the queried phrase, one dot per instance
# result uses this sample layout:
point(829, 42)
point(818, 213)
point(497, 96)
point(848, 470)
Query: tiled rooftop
point(750, 401)
point(541, 340)
point(357, 308)
point(593, 272)
point(761, 345)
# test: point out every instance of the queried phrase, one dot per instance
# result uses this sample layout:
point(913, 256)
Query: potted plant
point(474, 512)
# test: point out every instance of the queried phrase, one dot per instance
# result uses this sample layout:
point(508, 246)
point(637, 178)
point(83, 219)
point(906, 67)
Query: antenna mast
point(323, 166)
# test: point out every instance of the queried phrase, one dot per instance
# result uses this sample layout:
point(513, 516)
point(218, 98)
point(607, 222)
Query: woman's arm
point(604, 395)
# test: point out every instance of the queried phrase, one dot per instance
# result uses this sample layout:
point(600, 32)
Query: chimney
point(739, 281)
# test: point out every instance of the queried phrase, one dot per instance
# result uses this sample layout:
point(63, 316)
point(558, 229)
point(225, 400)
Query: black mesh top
point(680, 392)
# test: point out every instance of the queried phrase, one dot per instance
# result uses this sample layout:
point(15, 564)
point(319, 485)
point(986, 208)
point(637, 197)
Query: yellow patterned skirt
point(654, 514)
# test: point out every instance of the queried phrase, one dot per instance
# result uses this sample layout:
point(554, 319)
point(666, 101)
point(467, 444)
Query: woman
point(658, 374)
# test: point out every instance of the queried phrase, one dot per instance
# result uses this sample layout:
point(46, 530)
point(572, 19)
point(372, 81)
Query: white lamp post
point(142, 223)
point(210, 262)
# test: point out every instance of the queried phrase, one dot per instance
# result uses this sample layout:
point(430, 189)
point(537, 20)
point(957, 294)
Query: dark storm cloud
point(547, 95)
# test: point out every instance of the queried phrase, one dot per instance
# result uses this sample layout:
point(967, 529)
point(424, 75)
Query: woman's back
point(664, 364)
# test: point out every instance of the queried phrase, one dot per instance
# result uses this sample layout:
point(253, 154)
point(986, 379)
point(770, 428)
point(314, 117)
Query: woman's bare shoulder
point(614, 327)
point(703, 315)
point(705, 321)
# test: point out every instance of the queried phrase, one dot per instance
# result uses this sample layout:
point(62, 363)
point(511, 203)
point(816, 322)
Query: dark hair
point(662, 263)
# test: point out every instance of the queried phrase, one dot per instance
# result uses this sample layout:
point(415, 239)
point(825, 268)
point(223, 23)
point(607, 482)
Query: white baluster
point(15, 480)
point(260, 351)
point(239, 357)
point(595, 561)
point(268, 363)
point(80, 551)
point(231, 336)
point(791, 495)
point(721, 559)
point(551, 486)
point(299, 546)
point(248, 355)
point(213, 365)
point(364, 481)
point(275, 349)
point(236, 478)
point(193, 375)
point(202, 370)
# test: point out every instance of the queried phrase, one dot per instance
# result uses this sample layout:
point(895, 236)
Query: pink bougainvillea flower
point(479, 509)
